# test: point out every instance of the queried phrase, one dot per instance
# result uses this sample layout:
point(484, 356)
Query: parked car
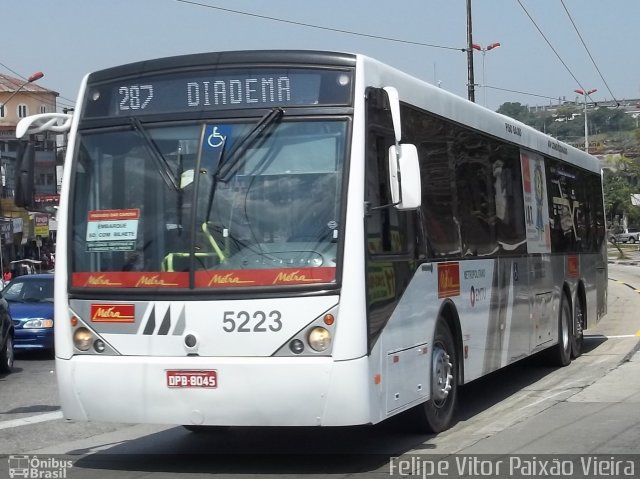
point(6, 337)
point(632, 235)
point(30, 299)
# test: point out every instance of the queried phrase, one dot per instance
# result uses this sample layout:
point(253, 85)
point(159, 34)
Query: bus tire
point(560, 354)
point(578, 329)
point(437, 413)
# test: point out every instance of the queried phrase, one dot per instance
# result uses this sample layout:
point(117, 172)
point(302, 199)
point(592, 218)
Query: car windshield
point(29, 290)
point(199, 205)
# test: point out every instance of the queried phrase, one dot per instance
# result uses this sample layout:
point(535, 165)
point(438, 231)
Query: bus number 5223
point(258, 322)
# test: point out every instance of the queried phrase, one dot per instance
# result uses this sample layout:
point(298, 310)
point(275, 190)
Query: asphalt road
point(587, 408)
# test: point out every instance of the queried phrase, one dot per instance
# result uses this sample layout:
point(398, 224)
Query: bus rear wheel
point(560, 354)
point(578, 333)
point(437, 413)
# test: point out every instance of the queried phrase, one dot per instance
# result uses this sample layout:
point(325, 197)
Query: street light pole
point(34, 77)
point(489, 47)
point(585, 94)
point(31, 79)
point(471, 92)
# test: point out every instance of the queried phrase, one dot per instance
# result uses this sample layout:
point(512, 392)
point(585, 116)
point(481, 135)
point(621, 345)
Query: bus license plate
point(192, 379)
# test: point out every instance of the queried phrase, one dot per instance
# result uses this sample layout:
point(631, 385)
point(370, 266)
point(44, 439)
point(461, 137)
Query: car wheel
point(6, 356)
point(632, 240)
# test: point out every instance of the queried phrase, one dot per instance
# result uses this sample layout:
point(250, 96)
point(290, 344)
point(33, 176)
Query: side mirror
point(404, 177)
point(25, 159)
point(404, 167)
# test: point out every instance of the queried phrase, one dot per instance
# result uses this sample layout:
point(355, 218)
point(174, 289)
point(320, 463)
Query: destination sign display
point(221, 89)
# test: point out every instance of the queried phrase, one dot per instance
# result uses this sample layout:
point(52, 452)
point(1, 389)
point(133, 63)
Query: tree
point(517, 111)
point(617, 193)
point(609, 119)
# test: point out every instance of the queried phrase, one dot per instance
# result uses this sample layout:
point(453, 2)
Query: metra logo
point(228, 278)
point(293, 277)
point(113, 313)
point(100, 280)
point(448, 280)
point(153, 280)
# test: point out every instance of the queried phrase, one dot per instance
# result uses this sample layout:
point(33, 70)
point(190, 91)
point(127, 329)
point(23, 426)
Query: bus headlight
point(319, 339)
point(82, 339)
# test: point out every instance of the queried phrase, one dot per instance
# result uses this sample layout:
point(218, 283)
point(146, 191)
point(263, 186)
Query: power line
point(71, 102)
point(319, 27)
point(397, 40)
point(552, 48)
point(589, 53)
point(521, 92)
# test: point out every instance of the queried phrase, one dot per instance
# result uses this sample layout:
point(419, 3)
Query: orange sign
point(448, 280)
point(573, 268)
point(204, 279)
point(113, 313)
point(114, 215)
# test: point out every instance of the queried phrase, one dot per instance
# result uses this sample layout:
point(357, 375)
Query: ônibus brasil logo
point(38, 468)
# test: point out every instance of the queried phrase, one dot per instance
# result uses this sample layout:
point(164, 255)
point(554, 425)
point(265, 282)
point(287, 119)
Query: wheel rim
point(441, 375)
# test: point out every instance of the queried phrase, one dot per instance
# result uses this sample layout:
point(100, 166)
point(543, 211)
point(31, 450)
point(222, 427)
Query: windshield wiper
point(229, 166)
point(156, 154)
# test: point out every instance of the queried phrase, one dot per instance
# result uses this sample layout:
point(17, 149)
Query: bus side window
point(386, 226)
point(510, 221)
point(476, 198)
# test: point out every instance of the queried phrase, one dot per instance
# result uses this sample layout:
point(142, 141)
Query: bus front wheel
point(437, 413)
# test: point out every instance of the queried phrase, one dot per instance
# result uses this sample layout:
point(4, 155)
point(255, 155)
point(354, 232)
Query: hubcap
point(441, 375)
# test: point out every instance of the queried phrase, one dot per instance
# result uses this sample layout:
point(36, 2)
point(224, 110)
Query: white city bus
point(305, 238)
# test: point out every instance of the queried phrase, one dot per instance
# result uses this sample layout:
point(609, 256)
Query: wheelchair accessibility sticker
point(216, 137)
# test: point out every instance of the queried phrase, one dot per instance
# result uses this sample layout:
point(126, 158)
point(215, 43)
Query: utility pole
point(470, 81)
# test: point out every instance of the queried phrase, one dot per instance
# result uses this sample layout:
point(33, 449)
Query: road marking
point(613, 336)
point(561, 390)
point(626, 284)
point(25, 421)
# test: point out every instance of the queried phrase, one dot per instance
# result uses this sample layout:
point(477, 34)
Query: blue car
point(30, 299)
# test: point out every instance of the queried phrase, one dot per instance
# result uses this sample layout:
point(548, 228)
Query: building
point(18, 99)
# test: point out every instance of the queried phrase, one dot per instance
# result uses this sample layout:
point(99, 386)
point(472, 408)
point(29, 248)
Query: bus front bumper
point(295, 391)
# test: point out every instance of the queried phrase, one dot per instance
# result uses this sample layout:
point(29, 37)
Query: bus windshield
point(212, 204)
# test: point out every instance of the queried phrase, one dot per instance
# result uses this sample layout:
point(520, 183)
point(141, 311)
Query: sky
point(65, 39)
